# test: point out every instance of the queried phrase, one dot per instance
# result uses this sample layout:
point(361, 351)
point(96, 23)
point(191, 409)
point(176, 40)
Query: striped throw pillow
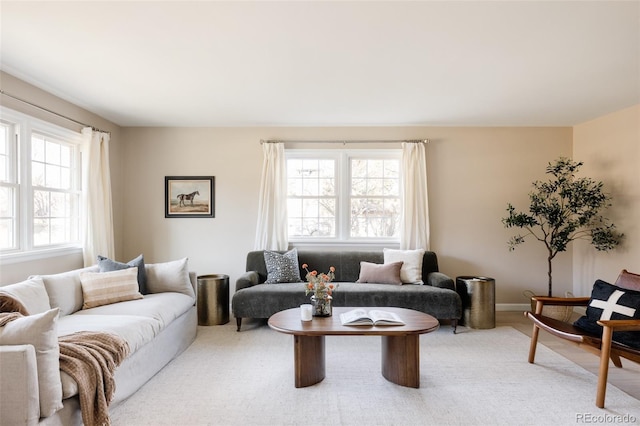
point(104, 288)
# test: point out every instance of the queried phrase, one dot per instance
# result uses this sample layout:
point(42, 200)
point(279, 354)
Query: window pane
point(37, 174)
point(7, 218)
point(310, 187)
point(6, 202)
point(65, 156)
point(327, 186)
point(4, 168)
point(40, 203)
point(40, 232)
point(6, 234)
point(294, 186)
point(37, 148)
point(59, 204)
point(52, 152)
point(59, 231)
point(52, 176)
point(327, 168)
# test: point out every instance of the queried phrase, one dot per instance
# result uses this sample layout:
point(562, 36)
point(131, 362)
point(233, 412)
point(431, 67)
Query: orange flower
point(332, 269)
point(313, 273)
point(305, 266)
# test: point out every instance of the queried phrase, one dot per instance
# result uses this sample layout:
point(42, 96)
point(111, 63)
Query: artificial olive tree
point(563, 209)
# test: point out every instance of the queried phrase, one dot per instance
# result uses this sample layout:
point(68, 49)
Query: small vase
point(321, 306)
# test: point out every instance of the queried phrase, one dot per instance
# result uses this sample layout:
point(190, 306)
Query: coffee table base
point(309, 364)
point(400, 360)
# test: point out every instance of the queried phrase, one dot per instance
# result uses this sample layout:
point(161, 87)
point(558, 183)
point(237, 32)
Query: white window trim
point(25, 126)
point(343, 177)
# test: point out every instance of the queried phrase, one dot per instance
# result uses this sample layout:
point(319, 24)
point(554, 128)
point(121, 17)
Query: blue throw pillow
point(282, 268)
point(108, 265)
point(611, 302)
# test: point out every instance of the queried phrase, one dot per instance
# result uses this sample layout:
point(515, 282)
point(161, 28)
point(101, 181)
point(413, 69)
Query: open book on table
point(372, 317)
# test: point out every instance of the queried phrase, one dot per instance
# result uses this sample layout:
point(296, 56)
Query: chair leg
point(616, 359)
point(534, 342)
point(238, 323)
point(605, 352)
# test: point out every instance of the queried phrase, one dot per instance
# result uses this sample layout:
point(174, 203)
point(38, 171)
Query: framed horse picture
point(189, 196)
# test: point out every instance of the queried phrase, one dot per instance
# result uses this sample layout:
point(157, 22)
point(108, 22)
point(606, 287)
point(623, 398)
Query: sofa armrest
point(19, 403)
point(438, 279)
point(248, 279)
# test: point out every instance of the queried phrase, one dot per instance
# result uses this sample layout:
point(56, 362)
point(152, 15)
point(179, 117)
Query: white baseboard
point(518, 307)
point(521, 307)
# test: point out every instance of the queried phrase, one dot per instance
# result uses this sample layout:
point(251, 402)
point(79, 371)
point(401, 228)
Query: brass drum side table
point(213, 299)
point(478, 296)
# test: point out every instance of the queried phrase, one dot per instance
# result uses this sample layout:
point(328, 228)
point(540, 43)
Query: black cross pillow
point(611, 302)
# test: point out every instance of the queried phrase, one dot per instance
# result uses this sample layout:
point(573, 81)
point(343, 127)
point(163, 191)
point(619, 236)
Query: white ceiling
point(300, 63)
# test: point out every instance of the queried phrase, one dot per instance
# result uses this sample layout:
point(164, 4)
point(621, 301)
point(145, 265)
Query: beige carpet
point(477, 377)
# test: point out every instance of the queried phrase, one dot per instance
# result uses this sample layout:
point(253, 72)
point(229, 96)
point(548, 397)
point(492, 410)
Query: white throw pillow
point(169, 276)
point(411, 271)
point(40, 330)
point(65, 290)
point(31, 293)
point(104, 288)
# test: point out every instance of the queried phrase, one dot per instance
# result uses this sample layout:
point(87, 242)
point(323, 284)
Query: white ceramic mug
point(305, 312)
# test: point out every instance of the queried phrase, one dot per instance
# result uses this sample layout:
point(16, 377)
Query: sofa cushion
point(65, 290)
point(628, 280)
point(31, 293)
point(40, 331)
point(382, 274)
point(411, 271)
point(104, 288)
point(612, 302)
point(108, 265)
point(137, 331)
point(282, 268)
point(162, 307)
point(170, 276)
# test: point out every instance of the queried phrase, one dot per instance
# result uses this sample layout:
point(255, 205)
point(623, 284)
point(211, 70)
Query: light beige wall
point(610, 149)
point(473, 173)
point(16, 271)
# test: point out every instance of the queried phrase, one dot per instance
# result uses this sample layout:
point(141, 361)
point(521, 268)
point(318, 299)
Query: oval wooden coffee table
point(400, 343)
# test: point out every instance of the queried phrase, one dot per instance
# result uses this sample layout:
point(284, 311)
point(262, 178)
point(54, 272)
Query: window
point(343, 195)
point(40, 186)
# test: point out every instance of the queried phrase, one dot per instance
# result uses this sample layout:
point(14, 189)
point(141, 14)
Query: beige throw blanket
point(91, 358)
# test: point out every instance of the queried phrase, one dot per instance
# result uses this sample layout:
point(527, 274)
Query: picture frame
point(189, 196)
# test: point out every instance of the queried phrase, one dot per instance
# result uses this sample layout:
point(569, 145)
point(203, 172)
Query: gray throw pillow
point(282, 268)
point(389, 273)
point(108, 265)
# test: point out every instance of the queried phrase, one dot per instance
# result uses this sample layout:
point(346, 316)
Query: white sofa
point(157, 327)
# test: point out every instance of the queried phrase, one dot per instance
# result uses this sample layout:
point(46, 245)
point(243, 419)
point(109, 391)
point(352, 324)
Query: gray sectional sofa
point(254, 299)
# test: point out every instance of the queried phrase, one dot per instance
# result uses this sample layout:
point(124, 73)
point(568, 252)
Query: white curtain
point(97, 210)
point(414, 233)
point(271, 232)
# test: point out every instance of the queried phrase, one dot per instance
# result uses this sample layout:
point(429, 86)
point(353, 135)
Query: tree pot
point(561, 313)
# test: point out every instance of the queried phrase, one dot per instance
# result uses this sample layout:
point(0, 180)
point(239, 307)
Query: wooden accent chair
point(603, 346)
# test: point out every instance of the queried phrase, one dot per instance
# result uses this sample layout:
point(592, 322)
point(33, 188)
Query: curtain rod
point(95, 129)
point(344, 142)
